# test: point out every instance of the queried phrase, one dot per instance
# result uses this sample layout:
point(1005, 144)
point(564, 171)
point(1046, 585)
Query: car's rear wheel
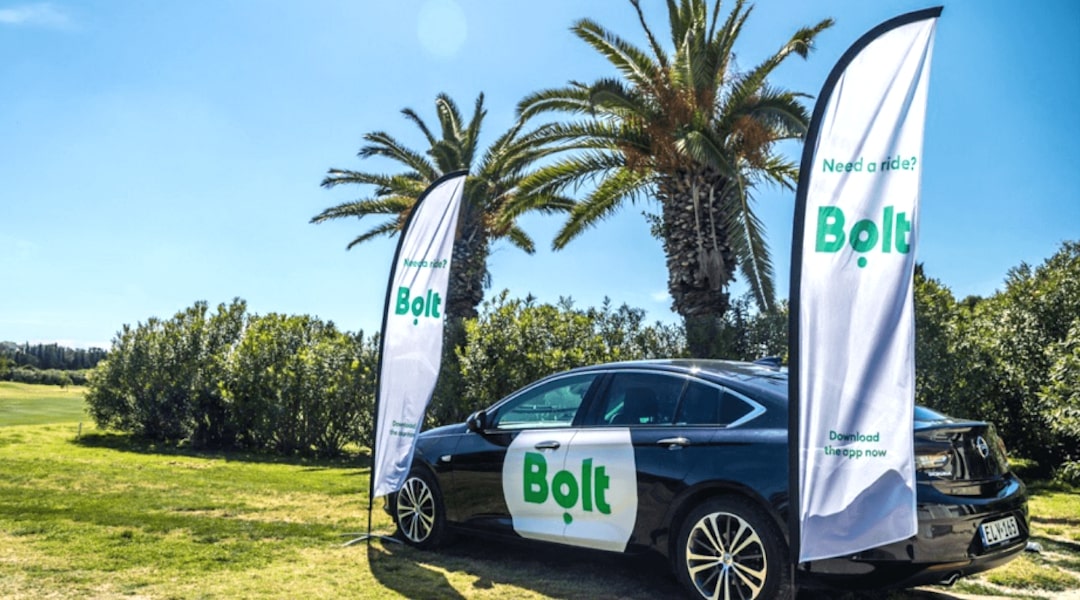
point(729, 548)
point(419, 511)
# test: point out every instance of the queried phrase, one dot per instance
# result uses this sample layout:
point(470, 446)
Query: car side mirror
point(477, 422)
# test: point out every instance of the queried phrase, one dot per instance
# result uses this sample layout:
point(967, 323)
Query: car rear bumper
point(948, 544)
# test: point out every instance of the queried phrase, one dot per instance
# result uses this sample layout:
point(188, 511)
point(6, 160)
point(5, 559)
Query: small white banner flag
point(853, 342)
point(412, 334)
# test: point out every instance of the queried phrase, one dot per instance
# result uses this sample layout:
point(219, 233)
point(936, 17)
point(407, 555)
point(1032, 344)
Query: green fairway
point(26, 404)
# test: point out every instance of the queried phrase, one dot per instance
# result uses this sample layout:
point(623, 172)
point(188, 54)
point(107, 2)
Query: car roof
point(763, 378)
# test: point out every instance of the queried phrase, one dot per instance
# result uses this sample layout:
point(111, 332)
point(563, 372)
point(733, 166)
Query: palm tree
point(690, 129)
point(489, 189)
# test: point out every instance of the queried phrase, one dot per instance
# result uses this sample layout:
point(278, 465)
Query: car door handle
point(674, 443)
point(550, 445)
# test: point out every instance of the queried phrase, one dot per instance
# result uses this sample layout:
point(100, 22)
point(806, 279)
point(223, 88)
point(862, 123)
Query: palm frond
point(594, 134)
point(382, 144)
point(634, 64)
point(472, 133)
point(677, 21)
point(447, 156)
point(550, 180)
point(780, 111)
point(519, 204)
point(724, 41)
point(572, 99)
point(658, 52)
point(335, 177)
point(705, 149)
point(747, 239)
point(362, 208)
point(600, 204)
point(388, 228)
point(780, 171)
point(519, 238)
point(449, 117)
point(411, 115)
point(803, 41)
point(752, 82)
point(612, 96)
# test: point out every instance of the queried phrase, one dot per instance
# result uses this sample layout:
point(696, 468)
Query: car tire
point(419, 511)
point(728, 547)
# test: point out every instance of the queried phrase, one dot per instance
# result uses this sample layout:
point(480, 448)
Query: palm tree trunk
point(700, 261)
point(468, 273)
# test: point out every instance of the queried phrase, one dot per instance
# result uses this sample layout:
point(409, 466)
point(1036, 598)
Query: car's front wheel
point(419, 511)
point(729, 548)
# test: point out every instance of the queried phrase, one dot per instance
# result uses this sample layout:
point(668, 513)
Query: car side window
point(641, 399)
point(704, 404)
point(551, 404)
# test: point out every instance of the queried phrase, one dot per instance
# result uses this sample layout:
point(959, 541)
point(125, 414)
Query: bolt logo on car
point(865, 234)
point(420, 305)
point(579, 489)
point(564, 487)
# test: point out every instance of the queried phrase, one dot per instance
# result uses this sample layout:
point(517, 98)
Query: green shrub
point(514, 342)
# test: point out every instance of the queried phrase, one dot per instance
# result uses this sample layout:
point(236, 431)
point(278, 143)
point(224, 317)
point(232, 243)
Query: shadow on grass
point(124, 442)
point(554, 571)
point(407, 576)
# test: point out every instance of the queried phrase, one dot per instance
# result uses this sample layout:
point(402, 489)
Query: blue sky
point(157, 153)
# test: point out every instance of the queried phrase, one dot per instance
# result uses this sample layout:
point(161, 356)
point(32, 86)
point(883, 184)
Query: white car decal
point(572, 486)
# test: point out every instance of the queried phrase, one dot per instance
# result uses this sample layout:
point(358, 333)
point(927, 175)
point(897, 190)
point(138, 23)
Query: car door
point(644, 404)
point(740, 442)
point(545, 414)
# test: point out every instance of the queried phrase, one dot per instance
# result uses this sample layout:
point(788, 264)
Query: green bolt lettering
point(830, 224)
point(602, 481)
point(903, 227)
point(435, 300)
point(859, 243)
point(402, 305)
point(893, 232)
point(886, 230)
point(586, 485)
point(536, 489)
point(565, 487)
point(564, 479)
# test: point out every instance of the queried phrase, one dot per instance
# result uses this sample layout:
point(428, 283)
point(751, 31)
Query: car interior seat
point(640, 407)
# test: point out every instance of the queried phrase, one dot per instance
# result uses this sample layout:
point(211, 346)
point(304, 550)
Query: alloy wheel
point(416, 510)
point(725, 557)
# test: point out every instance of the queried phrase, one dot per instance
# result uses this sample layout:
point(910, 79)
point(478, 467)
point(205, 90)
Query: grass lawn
point(25, 404)
point(106, 517)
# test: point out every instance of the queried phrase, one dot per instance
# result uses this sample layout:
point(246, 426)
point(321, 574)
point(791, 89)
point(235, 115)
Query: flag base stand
point(367, 537)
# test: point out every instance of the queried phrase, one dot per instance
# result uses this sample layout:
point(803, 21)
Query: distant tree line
point(51, 356)
point(48, 364)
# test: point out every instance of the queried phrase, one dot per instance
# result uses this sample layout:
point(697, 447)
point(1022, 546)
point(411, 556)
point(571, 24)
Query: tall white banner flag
point(853, 373)
point(412, 334)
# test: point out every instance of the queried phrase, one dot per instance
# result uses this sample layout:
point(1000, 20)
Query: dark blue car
point(689, 459)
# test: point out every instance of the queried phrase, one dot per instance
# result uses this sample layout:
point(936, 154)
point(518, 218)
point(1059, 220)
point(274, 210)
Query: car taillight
point(934, 463)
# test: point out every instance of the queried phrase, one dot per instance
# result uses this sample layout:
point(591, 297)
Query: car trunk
point(960, 458)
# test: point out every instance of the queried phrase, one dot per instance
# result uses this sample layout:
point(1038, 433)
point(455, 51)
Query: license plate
point(996, 532)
